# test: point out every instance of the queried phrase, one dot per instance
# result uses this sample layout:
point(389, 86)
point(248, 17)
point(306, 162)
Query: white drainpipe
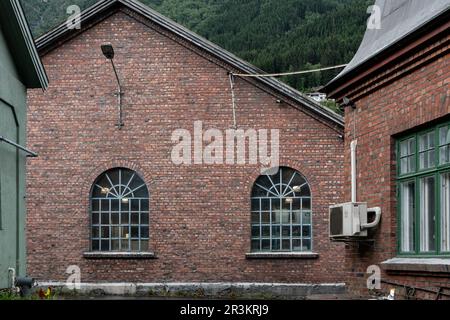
point(377, 211)
point(353, 147)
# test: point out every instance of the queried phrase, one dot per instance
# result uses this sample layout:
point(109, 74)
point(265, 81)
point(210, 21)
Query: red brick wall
point(200, 215)
point(414, 99)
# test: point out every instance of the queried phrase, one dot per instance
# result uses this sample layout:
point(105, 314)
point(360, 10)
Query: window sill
point(425, 265)
point(282, 255)
point(119, 255)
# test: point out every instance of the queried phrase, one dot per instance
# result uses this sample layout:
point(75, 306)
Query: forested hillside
point(274, 35)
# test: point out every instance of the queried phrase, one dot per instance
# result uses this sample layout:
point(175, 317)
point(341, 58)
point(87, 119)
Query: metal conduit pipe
point(30, 153)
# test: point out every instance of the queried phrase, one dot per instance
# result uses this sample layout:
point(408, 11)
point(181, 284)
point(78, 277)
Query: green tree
point(274, 35)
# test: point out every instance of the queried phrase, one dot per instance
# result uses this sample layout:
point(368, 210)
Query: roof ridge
point(102, 6)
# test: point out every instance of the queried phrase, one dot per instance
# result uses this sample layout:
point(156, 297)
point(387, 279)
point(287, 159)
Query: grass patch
point(8, 295)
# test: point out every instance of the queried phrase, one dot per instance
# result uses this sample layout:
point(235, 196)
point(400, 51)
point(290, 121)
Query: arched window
point(281, 213)
point(119, 212)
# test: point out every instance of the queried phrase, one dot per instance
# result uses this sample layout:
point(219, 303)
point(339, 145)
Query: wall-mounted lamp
point(108, 52)
point(289, 200)
point(346, 102)
point(105, 190)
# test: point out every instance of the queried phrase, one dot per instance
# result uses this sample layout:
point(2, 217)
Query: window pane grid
point(444, 152)
point(119, 203)
point(427, 215)
point(285, 230)
point(427, 151)
point(110, 229)
point(444, 145)
point(407, 156)
point(277, 213)
point(445, 212)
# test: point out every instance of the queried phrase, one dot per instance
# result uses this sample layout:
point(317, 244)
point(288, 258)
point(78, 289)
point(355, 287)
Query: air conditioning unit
point(349, 220)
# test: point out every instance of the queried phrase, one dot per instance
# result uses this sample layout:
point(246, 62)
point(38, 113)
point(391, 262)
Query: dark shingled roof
point(400, 18)
point(56, 36)
point(20, 41)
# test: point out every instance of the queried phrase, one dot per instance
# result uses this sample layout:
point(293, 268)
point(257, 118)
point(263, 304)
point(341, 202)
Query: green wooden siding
point(12, 168)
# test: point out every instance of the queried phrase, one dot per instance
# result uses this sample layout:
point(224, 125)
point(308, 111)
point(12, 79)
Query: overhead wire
point(249, 75)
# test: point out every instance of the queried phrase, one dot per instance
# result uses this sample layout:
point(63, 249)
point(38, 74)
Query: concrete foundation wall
point(200, 290)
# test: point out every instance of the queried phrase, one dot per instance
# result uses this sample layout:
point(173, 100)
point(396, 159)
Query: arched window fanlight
point(281, 213)
point(119, 212)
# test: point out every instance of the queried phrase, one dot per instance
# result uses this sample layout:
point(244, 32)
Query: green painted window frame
point(442, 145)
point(436, 171)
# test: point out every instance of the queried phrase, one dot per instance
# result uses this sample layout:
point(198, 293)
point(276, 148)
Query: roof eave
point(53, 38)
point(412, 36)
point(38, 78)
point(60, 32)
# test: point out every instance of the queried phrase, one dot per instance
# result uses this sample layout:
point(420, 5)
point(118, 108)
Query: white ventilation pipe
point(377, 220)
point(353, 147)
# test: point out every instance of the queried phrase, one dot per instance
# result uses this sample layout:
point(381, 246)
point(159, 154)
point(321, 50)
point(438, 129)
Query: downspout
point(353, 147)
point(18, 213)
point(233, 99)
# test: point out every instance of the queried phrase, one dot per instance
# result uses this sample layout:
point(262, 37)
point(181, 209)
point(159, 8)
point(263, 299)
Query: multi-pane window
point(424, 192)
point(427, 150)
point(427, 214)
point(444, 145)
point(119, 212)
point(445, 212)
point(281, 213)
point(407, 156)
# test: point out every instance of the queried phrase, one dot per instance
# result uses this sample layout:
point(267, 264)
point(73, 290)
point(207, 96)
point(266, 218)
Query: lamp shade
point(108, 51)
